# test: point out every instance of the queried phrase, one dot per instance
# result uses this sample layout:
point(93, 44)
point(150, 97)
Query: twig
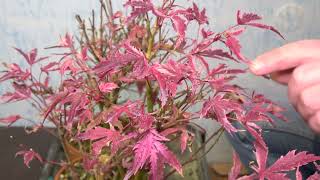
point(83, 28)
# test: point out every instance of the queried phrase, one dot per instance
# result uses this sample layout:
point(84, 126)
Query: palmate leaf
point(21, 92)
point(15, 72)
point(180, 26)
point(30, 57)
point(150, 151)
point(10, 119)
point(216, 53)
point(119, 59)
point(250, 20)
point(107, 87)
point(220, 108)
point(234, 45)
point(78, 101)
point(247, 17)
point(101, 137)
point(200, 16)
point(169, 76)
point(141, 7)
point(28, 156)
point(183, 137)
point(290, 161)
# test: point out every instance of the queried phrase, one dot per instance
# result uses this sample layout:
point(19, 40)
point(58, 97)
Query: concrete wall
point(38, 23)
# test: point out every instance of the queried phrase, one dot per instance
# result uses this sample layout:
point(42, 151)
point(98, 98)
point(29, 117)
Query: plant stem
point(83, 28)
point(214, 143)
point(148, 56)
point(219, 133)
point(149, 97)
point(207, 141)
point(141, 175)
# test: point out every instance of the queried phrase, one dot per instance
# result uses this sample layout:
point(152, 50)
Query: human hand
point(298, 66)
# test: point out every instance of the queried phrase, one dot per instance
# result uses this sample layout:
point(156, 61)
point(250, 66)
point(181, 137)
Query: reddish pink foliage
point(206, 33)
point(216, 53)
point(250, 18)
point(10, 119)
point(290, 161)
point(169, 76)
point(28, 156)
point(21, 93)
point(169, 73)
point(236, 168)
point(180, 26)
point(235, 47)
point(66, 41)
point(50, 67)
point(103, 137)
point(200, 16)
point(247, 17)
point(15, 72)
point(29, 57)
point(107, 87)
point(89, 162)
point(68, 64)
point(183, 138)
point(83, 54)
point(149, 150)
point(220, 107)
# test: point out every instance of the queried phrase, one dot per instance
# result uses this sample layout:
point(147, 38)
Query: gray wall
point(38, 23)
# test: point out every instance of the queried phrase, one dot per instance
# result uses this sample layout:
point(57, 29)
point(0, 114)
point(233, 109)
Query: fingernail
point(255, 66)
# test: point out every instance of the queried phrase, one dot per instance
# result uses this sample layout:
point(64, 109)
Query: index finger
point(286, 57)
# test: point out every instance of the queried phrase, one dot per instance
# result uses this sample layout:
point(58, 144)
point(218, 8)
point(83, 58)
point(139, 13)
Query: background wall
point(38, 23)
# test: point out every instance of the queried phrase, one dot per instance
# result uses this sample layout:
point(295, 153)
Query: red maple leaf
point(150, 151)
point(234, 45)
point(220, 108)
point(141, 7)
point(15, 72)
point(288, 162)
point(30, 57)
point(250, 20)
point(28, 156)
point(10, 119)
point(102, 137)
point(183, 137)
point(200, 16)
point(169, 76)
point(21, 92)
point(217, 54)
point(66, 41)
point(180, 26)
point(107, 87)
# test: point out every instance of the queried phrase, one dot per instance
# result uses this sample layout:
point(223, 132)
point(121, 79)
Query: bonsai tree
point(150, 54)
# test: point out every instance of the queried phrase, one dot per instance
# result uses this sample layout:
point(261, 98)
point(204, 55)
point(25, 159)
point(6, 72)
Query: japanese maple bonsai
point(149, 55)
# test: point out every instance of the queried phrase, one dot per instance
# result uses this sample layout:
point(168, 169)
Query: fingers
point(302, 78)
point(308, 105)
point(287, 57)
point(282, 77)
